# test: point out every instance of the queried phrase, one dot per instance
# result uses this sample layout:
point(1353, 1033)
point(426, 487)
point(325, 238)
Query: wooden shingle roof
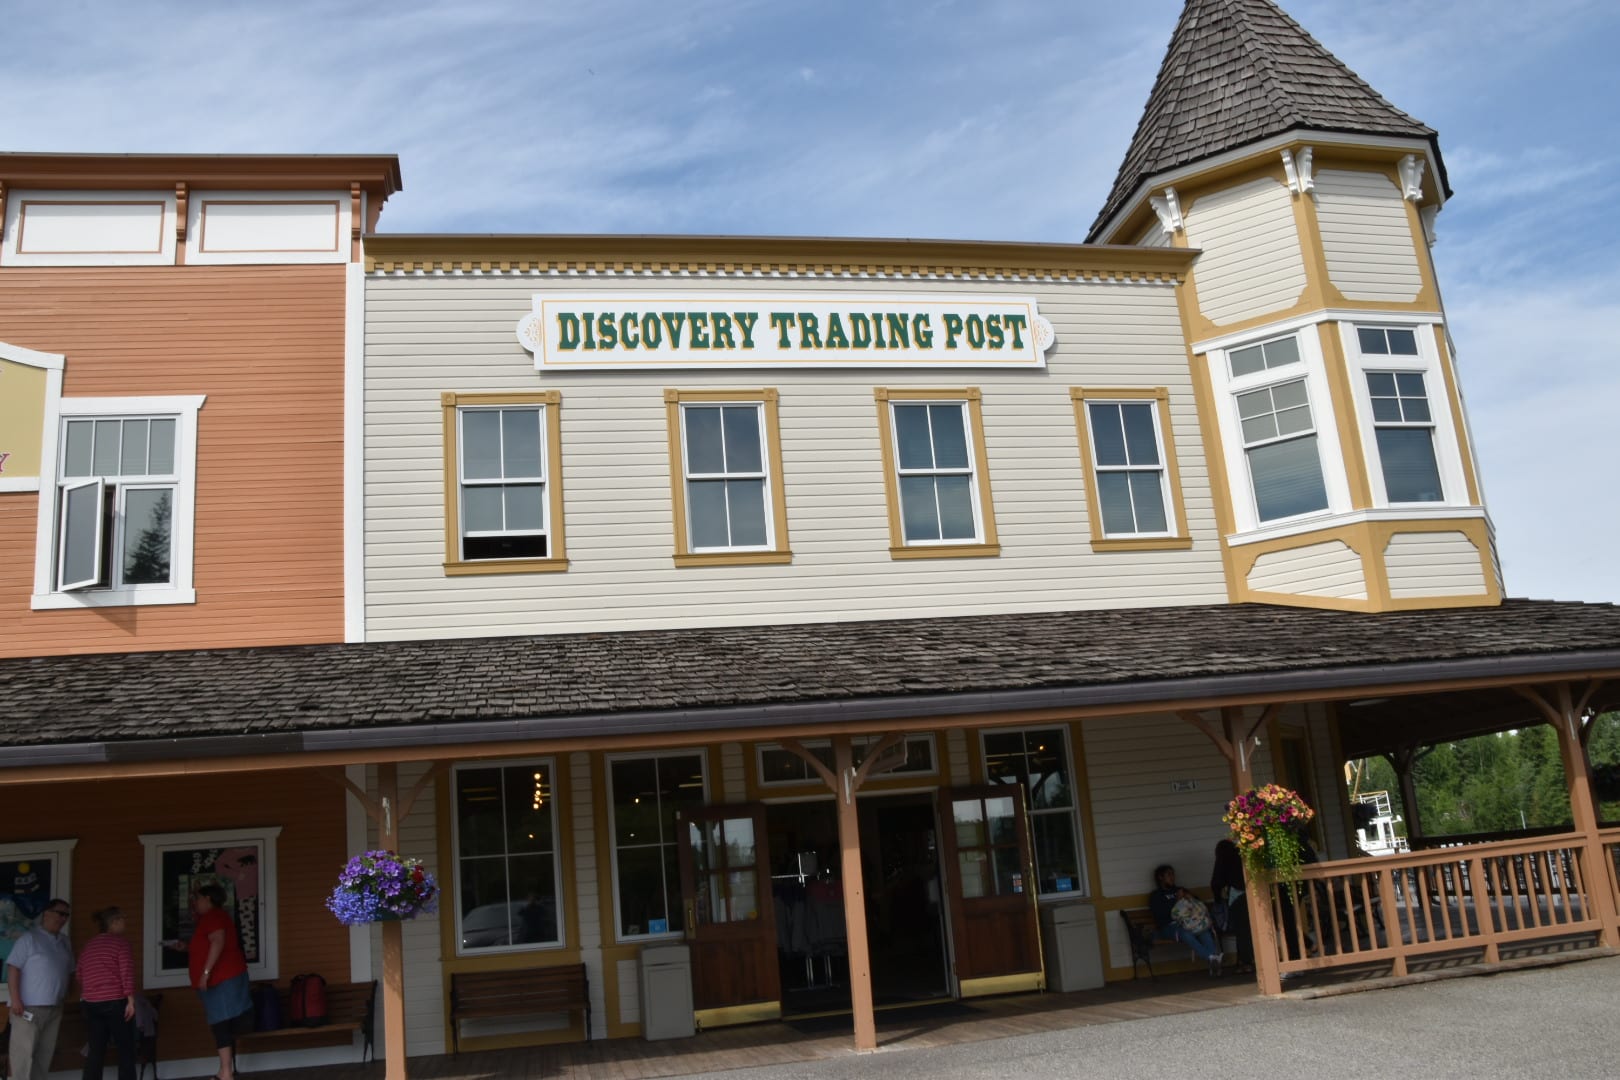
point(577, 683)
point(1238, 72)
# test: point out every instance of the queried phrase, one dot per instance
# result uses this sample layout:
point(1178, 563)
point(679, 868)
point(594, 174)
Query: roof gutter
point(1232, 689)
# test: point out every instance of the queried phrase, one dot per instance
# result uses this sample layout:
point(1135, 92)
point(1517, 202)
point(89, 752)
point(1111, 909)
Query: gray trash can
point(1069, 940)
point(666, 992)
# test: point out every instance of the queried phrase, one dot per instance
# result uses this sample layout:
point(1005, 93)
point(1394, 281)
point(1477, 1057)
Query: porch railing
point(1611, 866)
point(1398, 907)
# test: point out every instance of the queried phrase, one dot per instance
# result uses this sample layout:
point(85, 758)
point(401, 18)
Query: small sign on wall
point(1183, 785)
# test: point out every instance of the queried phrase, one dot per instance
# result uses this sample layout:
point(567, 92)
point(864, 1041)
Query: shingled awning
point(1238, 72)
point(463, 691)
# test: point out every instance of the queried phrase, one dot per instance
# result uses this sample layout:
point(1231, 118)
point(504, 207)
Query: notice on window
point(702, 330)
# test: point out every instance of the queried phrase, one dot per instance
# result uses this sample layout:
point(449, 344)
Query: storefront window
point(506, 857)
point(1039, 760)
point(647, 793)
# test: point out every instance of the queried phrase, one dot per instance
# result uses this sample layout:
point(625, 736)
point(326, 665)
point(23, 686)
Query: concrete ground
point(1561, 1021)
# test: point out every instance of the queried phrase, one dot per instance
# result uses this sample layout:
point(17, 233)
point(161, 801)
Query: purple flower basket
point(380, 886)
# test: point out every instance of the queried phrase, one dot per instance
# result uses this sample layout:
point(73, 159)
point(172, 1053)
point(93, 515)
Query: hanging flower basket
point(380, 886)
point(1266, 825)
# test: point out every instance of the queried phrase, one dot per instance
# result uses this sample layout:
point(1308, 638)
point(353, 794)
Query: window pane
point(1386, 410)
point(1148, 497)
point(1372, 341)
point(1114, 500)
point(1107, 434)
point(950, 437)
point(911, 434)
point(520, 445)
point(1260, 429)
point(1289, 395)
point(1282, 351)
point(706, 511)
point(1140, 438)
point(81, 529)
point(479, 825)
point(534, 898)
point(1410, 472)
point(1381, 383)
point(147, 544)
point(1294, 420)
point(968, 815)
point(680, 783)
point(528, 799)
point(1402, 342)
point(1009, 870)
point(1057, 861)
point(919, 515)
point(1416, 410)
point(525, 507)
point(481, 444)
point(1048, 770)
point(1247, 361)
point(1254, 403)
point(747, 503)
point(1287, 478)
point(1410, 384)
point(481, 509)
point(641, 889)
point(742, 439)
point(635, 801)
point(76, 456)
point(778, 766)
point(132, 458)
point(972, 866)
point(673, 915)
point(739, 841)
point(955, 495)
point(485, 912)
point(1002, 814)
point(104, 461)
point(704, 451)
point(505, 546)
point(160, 453)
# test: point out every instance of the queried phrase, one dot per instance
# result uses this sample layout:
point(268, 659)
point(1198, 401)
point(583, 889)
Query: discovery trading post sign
point(648, 330)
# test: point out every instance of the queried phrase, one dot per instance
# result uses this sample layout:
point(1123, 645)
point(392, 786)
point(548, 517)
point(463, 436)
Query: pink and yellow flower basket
point(1266, 825)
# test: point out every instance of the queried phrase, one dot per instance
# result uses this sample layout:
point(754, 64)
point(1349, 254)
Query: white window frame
point(268, 966)
point(183, 410)
point(550, 764)
point(543, 482)
point(1313, 370)
point(613, 834)
point(971, 471)
point(764, 473)
point(1082, 888)
point(59, 853)
point(1172, 526)
point(868, 741)
point(1447, 446)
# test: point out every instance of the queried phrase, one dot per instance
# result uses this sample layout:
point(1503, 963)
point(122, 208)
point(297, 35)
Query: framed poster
point(242, 862)
point(30, 875)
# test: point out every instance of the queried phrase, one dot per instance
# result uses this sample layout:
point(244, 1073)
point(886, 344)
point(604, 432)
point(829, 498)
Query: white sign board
point(570, 331)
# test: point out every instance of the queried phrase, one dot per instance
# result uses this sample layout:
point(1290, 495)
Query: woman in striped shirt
point(107, 987)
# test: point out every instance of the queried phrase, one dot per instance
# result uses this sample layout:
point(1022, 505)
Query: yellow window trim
point(780, 552)
point(454, 564)
point(1182, 539)
point(898, 548)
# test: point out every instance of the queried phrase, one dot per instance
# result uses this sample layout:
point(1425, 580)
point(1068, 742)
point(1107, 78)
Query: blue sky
point(927, 118)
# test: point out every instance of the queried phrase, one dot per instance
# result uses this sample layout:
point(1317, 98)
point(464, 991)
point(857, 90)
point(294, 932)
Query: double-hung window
point(117, 528)
point(508, 882)
point(1133, 489)
point(1403, 422)
point(1038, 759)
point(726, 485)
point(646, 795)
point(503, 506)
point(936, 474)
point(1279, 429)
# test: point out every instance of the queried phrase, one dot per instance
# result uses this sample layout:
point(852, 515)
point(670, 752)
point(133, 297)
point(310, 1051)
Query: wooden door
point(990, 877)
point(730, 920)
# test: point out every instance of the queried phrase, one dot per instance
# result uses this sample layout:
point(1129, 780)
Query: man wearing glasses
point(37, 974)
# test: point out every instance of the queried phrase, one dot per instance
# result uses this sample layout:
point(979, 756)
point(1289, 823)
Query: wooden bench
point(350, 1007)
point(1142, 931)
point(488, 994)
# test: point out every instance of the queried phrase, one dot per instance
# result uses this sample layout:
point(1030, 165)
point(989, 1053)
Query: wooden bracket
point(888, 741)
point(375, 808)
point(796, 747)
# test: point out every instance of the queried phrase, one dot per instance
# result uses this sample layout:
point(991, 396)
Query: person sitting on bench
point(1183, 917)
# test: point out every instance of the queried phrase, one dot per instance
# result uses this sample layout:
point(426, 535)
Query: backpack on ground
point(266, 1008)
point(306, 1001)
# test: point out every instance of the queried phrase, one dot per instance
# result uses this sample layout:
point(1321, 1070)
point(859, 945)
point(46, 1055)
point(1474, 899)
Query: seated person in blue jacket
point(1182, 917)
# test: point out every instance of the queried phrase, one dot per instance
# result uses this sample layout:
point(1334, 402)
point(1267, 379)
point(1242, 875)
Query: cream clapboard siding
point(1155, 237)
point(733, 773)
point(1138, 821)
point(1252, 263)
point(1434, 564)
point(431, 334)
point(1330, 568)
point(424, 977)
point(960, 772)
point(1367, 236)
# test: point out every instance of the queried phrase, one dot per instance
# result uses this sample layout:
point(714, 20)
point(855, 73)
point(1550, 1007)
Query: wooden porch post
point(1565, 716)
point(1404, 760)
point(393, 980)
point(1262, 927)
point(849, 844)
